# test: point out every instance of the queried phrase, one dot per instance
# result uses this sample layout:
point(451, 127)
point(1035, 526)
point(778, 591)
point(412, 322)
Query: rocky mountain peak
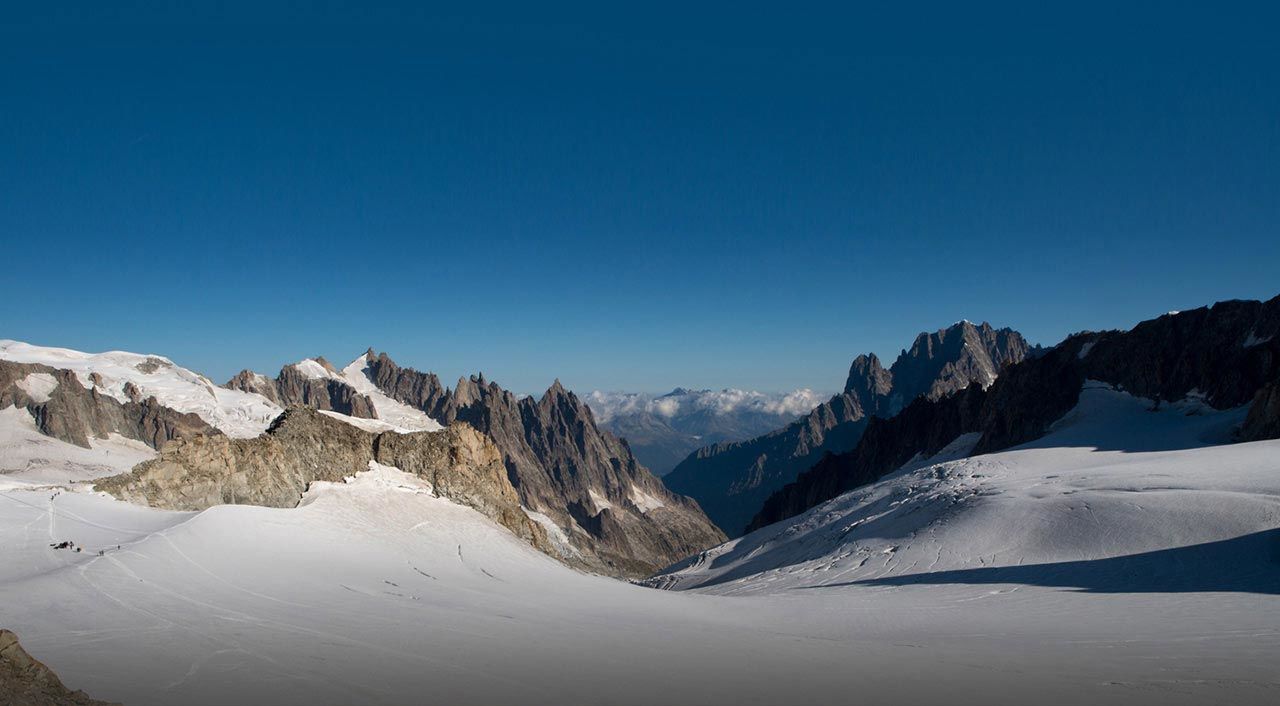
point(615, 516)
point(557, 391)
point(868, 380)
point(1192, 353)
point(325, 364)
point(732, 480)
point(948, 360)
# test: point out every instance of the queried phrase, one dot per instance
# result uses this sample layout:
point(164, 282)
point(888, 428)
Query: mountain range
point(171, 540)
point(732, 480)
point(1227, 355)
point(578, 491)
point(663, 429)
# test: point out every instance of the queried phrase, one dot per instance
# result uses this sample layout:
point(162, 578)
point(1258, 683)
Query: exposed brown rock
point(303, 446)
point(25, 681)
point(152, 364)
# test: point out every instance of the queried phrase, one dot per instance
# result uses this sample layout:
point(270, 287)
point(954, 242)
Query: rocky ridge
point(303, 446)
point(293, 387)
point(732, 481)
point(1227, 355)
point(614, 515)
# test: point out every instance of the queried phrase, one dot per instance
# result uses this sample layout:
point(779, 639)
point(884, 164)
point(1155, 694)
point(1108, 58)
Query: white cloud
point(608, 405)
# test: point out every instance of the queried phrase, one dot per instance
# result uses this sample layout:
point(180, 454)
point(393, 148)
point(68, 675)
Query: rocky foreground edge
point(26, 681)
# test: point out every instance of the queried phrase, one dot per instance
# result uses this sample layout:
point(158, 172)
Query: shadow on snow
point(1247, 564)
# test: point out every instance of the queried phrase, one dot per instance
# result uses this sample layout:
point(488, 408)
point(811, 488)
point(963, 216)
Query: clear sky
point(686, 194)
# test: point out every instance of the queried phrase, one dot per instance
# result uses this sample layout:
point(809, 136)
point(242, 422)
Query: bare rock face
point(1228, 353)
point(292, 388)
point(25, 681)
point(303, 446)
point(465, 466)
point(618, 517)
point(949, 360)
point(732, 481)
point(1263, 421)
point(869, 381)
point(71, 413)
point(421, 390)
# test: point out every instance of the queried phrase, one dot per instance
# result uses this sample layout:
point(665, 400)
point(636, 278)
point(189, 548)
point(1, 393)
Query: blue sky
point(722, 196)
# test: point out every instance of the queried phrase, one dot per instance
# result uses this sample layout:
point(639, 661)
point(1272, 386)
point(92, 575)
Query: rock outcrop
point(617, 517)
point(64, 409)
point(1228, 354)
point(732, 481)
point(26, 681)
point(1263, 421)
point(303, 446)
point(294, 388)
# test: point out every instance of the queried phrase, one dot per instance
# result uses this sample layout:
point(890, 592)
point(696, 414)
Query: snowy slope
point(28, 457)
point(235, 413)
point(376, 592)
point(1112, 479)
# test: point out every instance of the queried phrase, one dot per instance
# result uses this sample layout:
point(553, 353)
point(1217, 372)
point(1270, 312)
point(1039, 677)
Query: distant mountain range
point(663, 429)
point(732, 480)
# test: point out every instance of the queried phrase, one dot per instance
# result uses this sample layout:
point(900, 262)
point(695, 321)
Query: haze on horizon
point(692, 197)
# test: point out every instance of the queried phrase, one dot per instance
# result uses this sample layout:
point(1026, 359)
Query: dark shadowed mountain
point(1227, 354)
point(732, 480)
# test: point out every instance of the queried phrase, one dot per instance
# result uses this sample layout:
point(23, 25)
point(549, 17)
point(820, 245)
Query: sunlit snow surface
point(376, 592)
point(235, 413)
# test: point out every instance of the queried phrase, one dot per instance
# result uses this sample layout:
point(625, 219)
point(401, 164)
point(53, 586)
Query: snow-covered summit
point(234, 412)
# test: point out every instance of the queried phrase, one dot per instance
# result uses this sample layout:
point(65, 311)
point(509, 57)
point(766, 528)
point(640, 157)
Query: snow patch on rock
point(401, 416)
point(38, 386)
